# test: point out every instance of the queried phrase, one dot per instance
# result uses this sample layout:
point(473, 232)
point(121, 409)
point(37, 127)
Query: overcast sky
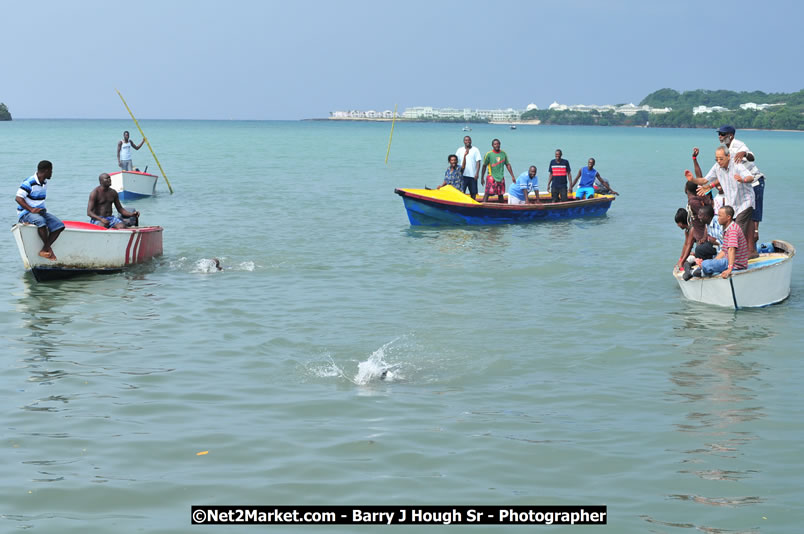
point(250, 59)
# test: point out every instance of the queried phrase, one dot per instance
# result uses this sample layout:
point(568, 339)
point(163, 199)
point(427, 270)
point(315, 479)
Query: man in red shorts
point(495, 161)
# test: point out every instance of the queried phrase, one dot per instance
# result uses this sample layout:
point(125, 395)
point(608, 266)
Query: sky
point(287, 60)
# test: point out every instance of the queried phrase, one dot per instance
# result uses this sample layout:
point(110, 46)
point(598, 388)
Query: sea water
point(343, 357)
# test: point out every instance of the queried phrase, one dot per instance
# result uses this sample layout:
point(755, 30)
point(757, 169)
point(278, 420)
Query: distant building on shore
point(429, 113)
point(626, 109)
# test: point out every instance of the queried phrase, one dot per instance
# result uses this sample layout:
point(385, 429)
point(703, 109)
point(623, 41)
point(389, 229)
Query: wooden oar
point(146, 140)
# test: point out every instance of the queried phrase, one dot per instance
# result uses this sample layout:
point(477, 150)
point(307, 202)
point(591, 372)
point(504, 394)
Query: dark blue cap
point(726, 130)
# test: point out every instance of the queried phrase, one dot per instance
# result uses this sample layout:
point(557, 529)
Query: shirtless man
point(101, 199)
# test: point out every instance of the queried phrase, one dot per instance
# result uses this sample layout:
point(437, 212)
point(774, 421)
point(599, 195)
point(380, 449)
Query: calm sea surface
point(550, 364)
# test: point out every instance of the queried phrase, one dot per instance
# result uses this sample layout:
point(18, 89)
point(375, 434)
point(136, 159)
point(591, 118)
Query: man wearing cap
point(735, 180)
point(741, 154)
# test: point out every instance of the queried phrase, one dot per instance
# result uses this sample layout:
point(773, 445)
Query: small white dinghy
point(131, 185)
point(765, 282)
point(84, 248)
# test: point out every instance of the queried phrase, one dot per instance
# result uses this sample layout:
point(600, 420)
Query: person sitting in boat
point(101, 200)
point(734, 254)
point(695, 228)
point(526, 183)
point(454, 174)
point(124, 152)
point(587, 177)
point(31, 208)
point(495, 161)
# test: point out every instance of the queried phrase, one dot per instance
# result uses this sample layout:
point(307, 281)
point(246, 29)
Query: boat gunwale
point(132, 229)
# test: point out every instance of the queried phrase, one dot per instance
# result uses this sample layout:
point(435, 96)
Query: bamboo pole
point(146, 140)
point(393, 121)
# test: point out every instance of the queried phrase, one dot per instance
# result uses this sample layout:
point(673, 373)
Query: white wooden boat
point(131, 185)
point(765, 282)
point(84, 248)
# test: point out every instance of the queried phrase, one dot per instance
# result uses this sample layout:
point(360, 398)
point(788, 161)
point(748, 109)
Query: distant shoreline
point(538, 123)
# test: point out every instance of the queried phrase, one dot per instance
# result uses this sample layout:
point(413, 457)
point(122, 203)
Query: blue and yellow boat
point(448, 206)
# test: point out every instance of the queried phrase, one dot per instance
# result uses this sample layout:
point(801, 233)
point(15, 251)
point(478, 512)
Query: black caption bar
point(397, 515)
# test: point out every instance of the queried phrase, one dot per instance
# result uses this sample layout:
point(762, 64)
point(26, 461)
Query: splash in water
point(376, 369)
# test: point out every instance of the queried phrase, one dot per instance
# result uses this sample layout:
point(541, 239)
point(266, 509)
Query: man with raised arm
point(469, 159)
point(124, 152)
point(735, 180)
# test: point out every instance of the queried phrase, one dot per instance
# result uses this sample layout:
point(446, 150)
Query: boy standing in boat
point(31, 208)
point(495, 161)
point(99, 208)
point(558, 172)
point(124, 152)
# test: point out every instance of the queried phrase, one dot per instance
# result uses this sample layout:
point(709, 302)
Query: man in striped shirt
point(558, 173)
point(31, 208)
point(734, 254)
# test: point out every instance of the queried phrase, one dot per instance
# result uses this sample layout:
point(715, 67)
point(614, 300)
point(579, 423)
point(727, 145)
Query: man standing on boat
point(469, 159)
point(558, 172)
point(99, 208)
point(495, 161)
point(734, 254)
point(31, 208)
point(741, 154)
point(124, 152)
point(735, 180)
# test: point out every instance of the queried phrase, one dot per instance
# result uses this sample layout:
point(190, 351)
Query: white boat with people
point(84, 248)
point(766, 281)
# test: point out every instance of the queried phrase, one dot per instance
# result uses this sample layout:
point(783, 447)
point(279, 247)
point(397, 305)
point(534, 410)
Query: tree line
point(4, 114)
point(789, 116)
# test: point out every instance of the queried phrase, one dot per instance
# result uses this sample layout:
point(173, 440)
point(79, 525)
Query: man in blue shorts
point(587, 177)
point(31, 208)
point(101, 199)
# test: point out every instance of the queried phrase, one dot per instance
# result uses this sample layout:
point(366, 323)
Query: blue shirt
point(524, 185)
point(33, 193)
point(588, 177)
